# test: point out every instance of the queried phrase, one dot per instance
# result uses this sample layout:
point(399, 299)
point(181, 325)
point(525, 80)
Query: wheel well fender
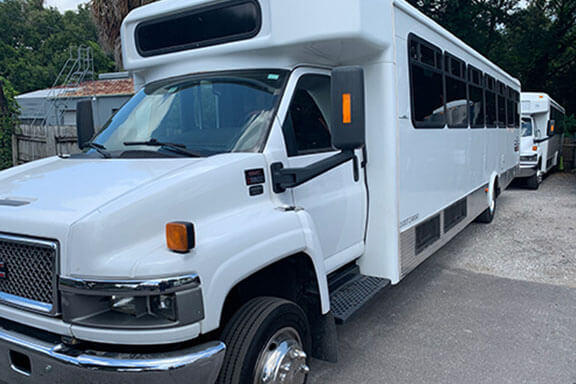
point(296, 279)
point(493, 186)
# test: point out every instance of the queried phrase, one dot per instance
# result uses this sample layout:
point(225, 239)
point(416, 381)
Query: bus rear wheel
point(488, 215)
point(267, 341)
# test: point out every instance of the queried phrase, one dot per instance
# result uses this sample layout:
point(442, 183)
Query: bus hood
point(109, 215)
point(58, 192)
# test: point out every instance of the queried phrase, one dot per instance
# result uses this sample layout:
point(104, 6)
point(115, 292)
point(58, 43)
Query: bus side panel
point(443, 172)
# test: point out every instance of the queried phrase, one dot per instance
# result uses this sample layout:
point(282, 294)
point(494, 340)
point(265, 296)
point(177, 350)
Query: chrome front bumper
point(29, 356)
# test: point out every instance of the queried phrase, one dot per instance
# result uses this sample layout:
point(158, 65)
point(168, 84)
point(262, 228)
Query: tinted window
point(476, 98)
point(491, 108)
point(476, 107)
point(456, 110)
point(427, 97)
point(456, 97)
point(306, 128)
point(212, 25)
point(558, 117)
point(427, 89)
point(491, 112)
point(501, 111)
point(510, 113)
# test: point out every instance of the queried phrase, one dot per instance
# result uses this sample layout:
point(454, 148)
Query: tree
point(108, 16)
point(540, 48)
point(8, 112)
point(34, 42)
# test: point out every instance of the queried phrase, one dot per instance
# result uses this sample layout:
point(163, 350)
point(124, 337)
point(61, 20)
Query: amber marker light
point(180, 236)
point(346, 108)
point(534, 148)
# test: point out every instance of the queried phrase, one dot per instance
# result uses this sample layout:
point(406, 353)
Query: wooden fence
point(33, 142)
point(569, 153)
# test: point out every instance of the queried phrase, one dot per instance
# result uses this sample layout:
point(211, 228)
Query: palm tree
point(108, 16)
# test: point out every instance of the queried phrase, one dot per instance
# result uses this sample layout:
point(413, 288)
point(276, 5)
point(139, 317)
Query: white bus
point(281, 163)
point(541, 142)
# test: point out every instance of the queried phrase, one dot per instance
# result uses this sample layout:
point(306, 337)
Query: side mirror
point(348, 108)
point(84, 122)
point(551, 127)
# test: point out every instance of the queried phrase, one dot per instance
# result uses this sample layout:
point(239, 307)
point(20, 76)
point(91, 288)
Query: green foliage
point(534, 41)
point(8, 113)
point(570, 125)
point(35, 41)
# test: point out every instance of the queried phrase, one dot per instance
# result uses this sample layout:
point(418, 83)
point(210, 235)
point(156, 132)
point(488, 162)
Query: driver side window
point(306, 128)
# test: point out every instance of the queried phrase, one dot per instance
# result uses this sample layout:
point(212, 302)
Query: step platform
point(350, 291)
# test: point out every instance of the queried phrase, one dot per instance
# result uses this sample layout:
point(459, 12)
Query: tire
point(487, 216)
point(266, 332)
point(533, 182)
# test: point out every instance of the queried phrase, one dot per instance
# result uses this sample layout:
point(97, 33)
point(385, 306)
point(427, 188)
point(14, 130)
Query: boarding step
point(350, 291)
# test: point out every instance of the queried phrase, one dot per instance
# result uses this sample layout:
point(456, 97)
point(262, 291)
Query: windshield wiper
point(100, 149)
point(178, 148)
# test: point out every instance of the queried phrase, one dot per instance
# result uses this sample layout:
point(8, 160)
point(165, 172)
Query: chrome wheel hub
point(282, 360)
point(539, 177)
point(492, 204)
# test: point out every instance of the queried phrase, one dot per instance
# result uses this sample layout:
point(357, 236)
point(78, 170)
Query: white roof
point(44, 93)
point(294, 32)
point(535, 102)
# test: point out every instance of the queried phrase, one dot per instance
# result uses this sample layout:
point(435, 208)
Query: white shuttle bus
point(281, 163)
point(541, 137)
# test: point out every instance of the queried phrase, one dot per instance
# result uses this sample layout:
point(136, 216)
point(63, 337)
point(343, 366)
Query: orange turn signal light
point(346, 108)
point(180, 236)
point(535, 148)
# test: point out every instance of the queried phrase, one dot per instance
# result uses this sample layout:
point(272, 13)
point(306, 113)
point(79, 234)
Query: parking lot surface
point(496, 305)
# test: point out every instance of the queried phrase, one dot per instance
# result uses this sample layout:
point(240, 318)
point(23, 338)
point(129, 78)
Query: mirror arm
point(283, 178)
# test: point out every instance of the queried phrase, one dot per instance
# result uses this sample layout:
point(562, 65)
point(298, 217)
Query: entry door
point(335, 201)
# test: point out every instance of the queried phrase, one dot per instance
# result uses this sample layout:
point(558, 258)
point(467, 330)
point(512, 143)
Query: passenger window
point(476, 94)
point(510, 114)
point(491, 109)
point(426, 82)
point(501, 105)
point(456, 97)
point(306, 128)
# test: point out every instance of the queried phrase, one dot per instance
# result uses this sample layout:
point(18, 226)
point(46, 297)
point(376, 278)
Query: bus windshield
point(202, 115)
point(526, 127)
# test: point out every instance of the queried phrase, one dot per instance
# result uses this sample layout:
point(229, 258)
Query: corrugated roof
point(115, 87)
point(44, 93)
point(102, 88)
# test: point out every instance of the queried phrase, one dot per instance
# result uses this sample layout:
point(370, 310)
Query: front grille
point(29, 273)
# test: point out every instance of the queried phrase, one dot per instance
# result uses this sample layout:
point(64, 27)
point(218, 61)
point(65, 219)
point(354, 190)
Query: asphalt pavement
point(495, 305)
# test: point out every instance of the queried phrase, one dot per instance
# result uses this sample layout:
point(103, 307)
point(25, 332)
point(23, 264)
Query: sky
point(64, 5)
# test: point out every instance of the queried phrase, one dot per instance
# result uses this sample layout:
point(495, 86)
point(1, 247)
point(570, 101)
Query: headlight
point(162, 306)
point(532, 158)
point(132, 304)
